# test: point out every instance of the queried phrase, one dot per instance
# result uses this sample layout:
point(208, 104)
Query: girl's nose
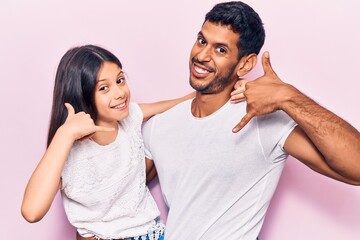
point(119, 93)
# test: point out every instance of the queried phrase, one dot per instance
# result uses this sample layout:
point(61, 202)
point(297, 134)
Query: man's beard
point(217, 85)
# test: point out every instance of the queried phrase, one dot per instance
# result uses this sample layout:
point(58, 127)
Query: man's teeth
point(200, 70)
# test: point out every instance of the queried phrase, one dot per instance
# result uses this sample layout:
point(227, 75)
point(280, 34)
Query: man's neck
point(206, 104)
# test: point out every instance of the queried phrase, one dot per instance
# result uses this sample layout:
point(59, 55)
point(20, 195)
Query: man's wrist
point(289, 97)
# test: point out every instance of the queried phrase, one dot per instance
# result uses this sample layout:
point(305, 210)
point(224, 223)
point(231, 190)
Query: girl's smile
point(112, 95)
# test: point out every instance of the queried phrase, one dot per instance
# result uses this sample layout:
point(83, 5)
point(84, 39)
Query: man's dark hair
point(244, 21)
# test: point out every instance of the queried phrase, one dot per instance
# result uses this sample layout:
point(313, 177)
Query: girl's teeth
point(120, 105)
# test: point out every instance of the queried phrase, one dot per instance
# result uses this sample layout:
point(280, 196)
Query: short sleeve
point(146, 132)
point(274, 129)
point(135, 117)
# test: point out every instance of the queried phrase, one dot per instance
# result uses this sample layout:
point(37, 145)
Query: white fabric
point(103, 187)
point(155, 232)
point(217, 184)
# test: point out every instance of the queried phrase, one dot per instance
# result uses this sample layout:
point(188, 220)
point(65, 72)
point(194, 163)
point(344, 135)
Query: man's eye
point(221, 50)
point(120, 80)
point(201, 41)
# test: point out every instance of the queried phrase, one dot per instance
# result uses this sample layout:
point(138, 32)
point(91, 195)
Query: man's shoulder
point(169, 117)
point(178, 110)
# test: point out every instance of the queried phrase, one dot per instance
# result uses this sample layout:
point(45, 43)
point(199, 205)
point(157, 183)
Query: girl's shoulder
point(134, 109)
point(135, 117)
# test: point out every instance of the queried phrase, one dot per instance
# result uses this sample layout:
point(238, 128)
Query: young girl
point(95, 152)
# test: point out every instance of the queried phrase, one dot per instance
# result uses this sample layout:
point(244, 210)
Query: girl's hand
point(237, 95)
point(80, 126)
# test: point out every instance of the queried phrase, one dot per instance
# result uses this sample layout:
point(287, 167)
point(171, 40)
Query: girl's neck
point(105, 138)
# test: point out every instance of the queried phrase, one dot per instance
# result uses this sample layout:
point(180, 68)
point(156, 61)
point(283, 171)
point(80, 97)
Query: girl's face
point(111, 96)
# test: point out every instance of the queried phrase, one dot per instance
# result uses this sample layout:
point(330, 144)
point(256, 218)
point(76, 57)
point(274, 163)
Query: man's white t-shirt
point(216, 183)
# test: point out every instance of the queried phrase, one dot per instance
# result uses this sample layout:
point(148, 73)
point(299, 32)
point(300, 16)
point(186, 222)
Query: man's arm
point(335, 139)
point(323, 141)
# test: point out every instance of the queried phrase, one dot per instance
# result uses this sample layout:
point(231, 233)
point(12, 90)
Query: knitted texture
point(103, 187)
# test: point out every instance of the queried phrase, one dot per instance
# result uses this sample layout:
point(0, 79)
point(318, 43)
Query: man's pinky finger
point(242, 123)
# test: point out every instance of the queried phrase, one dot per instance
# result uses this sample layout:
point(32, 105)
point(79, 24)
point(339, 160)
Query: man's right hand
point(265, 94)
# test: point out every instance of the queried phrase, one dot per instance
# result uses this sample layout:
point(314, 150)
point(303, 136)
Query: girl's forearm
point(45, 180)
point(151, 109)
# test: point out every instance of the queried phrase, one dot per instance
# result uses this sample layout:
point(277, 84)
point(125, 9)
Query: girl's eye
point(103, 88)
point(202, 41)
point(120, 80)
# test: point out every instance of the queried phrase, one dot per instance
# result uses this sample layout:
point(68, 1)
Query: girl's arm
point(150, 109)
point(45, 180)
point(150, 170)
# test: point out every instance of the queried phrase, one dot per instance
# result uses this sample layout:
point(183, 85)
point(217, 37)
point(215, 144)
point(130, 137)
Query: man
point(218, 184)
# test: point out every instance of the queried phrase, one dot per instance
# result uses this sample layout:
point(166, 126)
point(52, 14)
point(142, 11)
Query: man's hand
point(237, 95)
point(264, 95)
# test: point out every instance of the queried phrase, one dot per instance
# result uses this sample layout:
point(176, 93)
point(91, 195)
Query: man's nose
point(204, 54)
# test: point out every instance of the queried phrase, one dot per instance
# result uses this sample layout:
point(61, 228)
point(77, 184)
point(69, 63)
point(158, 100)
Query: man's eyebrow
point(200, 34)
point(222, 44)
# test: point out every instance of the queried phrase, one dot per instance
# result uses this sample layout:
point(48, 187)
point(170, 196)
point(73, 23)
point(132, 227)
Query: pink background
point(314, 45)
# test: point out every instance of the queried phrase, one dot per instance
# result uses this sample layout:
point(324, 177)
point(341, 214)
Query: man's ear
point(246, 64)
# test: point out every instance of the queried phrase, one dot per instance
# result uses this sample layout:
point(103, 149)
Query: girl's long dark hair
point(75, 82)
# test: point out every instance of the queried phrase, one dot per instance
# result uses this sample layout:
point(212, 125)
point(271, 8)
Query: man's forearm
point(336, 139)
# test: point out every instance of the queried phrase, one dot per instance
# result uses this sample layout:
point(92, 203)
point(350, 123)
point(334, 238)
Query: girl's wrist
point(65, 133)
